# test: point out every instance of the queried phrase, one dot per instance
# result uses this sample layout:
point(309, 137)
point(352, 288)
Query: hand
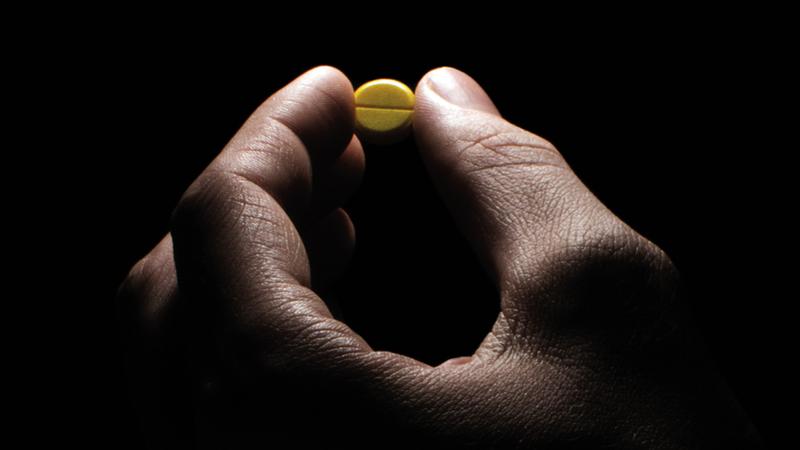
point(231, 344)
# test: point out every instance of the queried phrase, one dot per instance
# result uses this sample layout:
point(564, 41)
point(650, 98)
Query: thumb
point(510, 191)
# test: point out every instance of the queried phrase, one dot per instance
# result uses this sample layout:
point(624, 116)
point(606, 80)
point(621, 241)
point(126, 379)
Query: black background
point(675, 136)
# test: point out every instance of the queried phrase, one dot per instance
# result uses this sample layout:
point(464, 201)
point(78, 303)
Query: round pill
point(384, 109)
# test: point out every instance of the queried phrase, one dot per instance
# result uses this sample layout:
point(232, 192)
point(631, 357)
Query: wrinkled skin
point(231, 347)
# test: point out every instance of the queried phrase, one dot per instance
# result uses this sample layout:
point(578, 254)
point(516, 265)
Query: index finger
point(237, 250)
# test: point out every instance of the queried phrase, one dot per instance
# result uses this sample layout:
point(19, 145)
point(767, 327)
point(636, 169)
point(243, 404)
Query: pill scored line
point(384, 108)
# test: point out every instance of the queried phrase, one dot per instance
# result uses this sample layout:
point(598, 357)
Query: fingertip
point(335, 233)
point(333, 77)
point(330, 244)
point(345, 224)
point(349, 168)
point(318, 106)
point(352, 162)
point(447, 86)
point(450, 105)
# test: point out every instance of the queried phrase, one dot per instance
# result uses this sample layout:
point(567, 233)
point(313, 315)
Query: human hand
point(592, 346)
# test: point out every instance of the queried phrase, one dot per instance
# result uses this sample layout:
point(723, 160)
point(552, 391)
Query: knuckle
point(204, 203)
point(221, 201)
point(627, 289)
point(609, 277)
point(271, 160)
point(621, 259)
point(272, 157)
point(617, 265)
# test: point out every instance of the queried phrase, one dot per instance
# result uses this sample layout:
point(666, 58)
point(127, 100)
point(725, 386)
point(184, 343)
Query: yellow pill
point(384, 109)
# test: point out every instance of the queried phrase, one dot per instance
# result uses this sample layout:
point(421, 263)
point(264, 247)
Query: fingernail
point(460, 89)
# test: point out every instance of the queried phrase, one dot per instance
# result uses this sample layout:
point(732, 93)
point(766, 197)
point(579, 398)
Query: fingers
point(146, 297)
point(154, 349)
point(236, 245)
point(234, 239)
point(309, 122)
point(511, 192)
point(327, 232)
point(148, 300)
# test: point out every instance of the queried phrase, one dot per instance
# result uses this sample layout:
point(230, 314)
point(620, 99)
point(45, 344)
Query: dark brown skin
point(231, 347)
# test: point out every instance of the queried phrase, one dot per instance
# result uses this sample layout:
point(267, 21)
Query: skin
point(229, 345)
